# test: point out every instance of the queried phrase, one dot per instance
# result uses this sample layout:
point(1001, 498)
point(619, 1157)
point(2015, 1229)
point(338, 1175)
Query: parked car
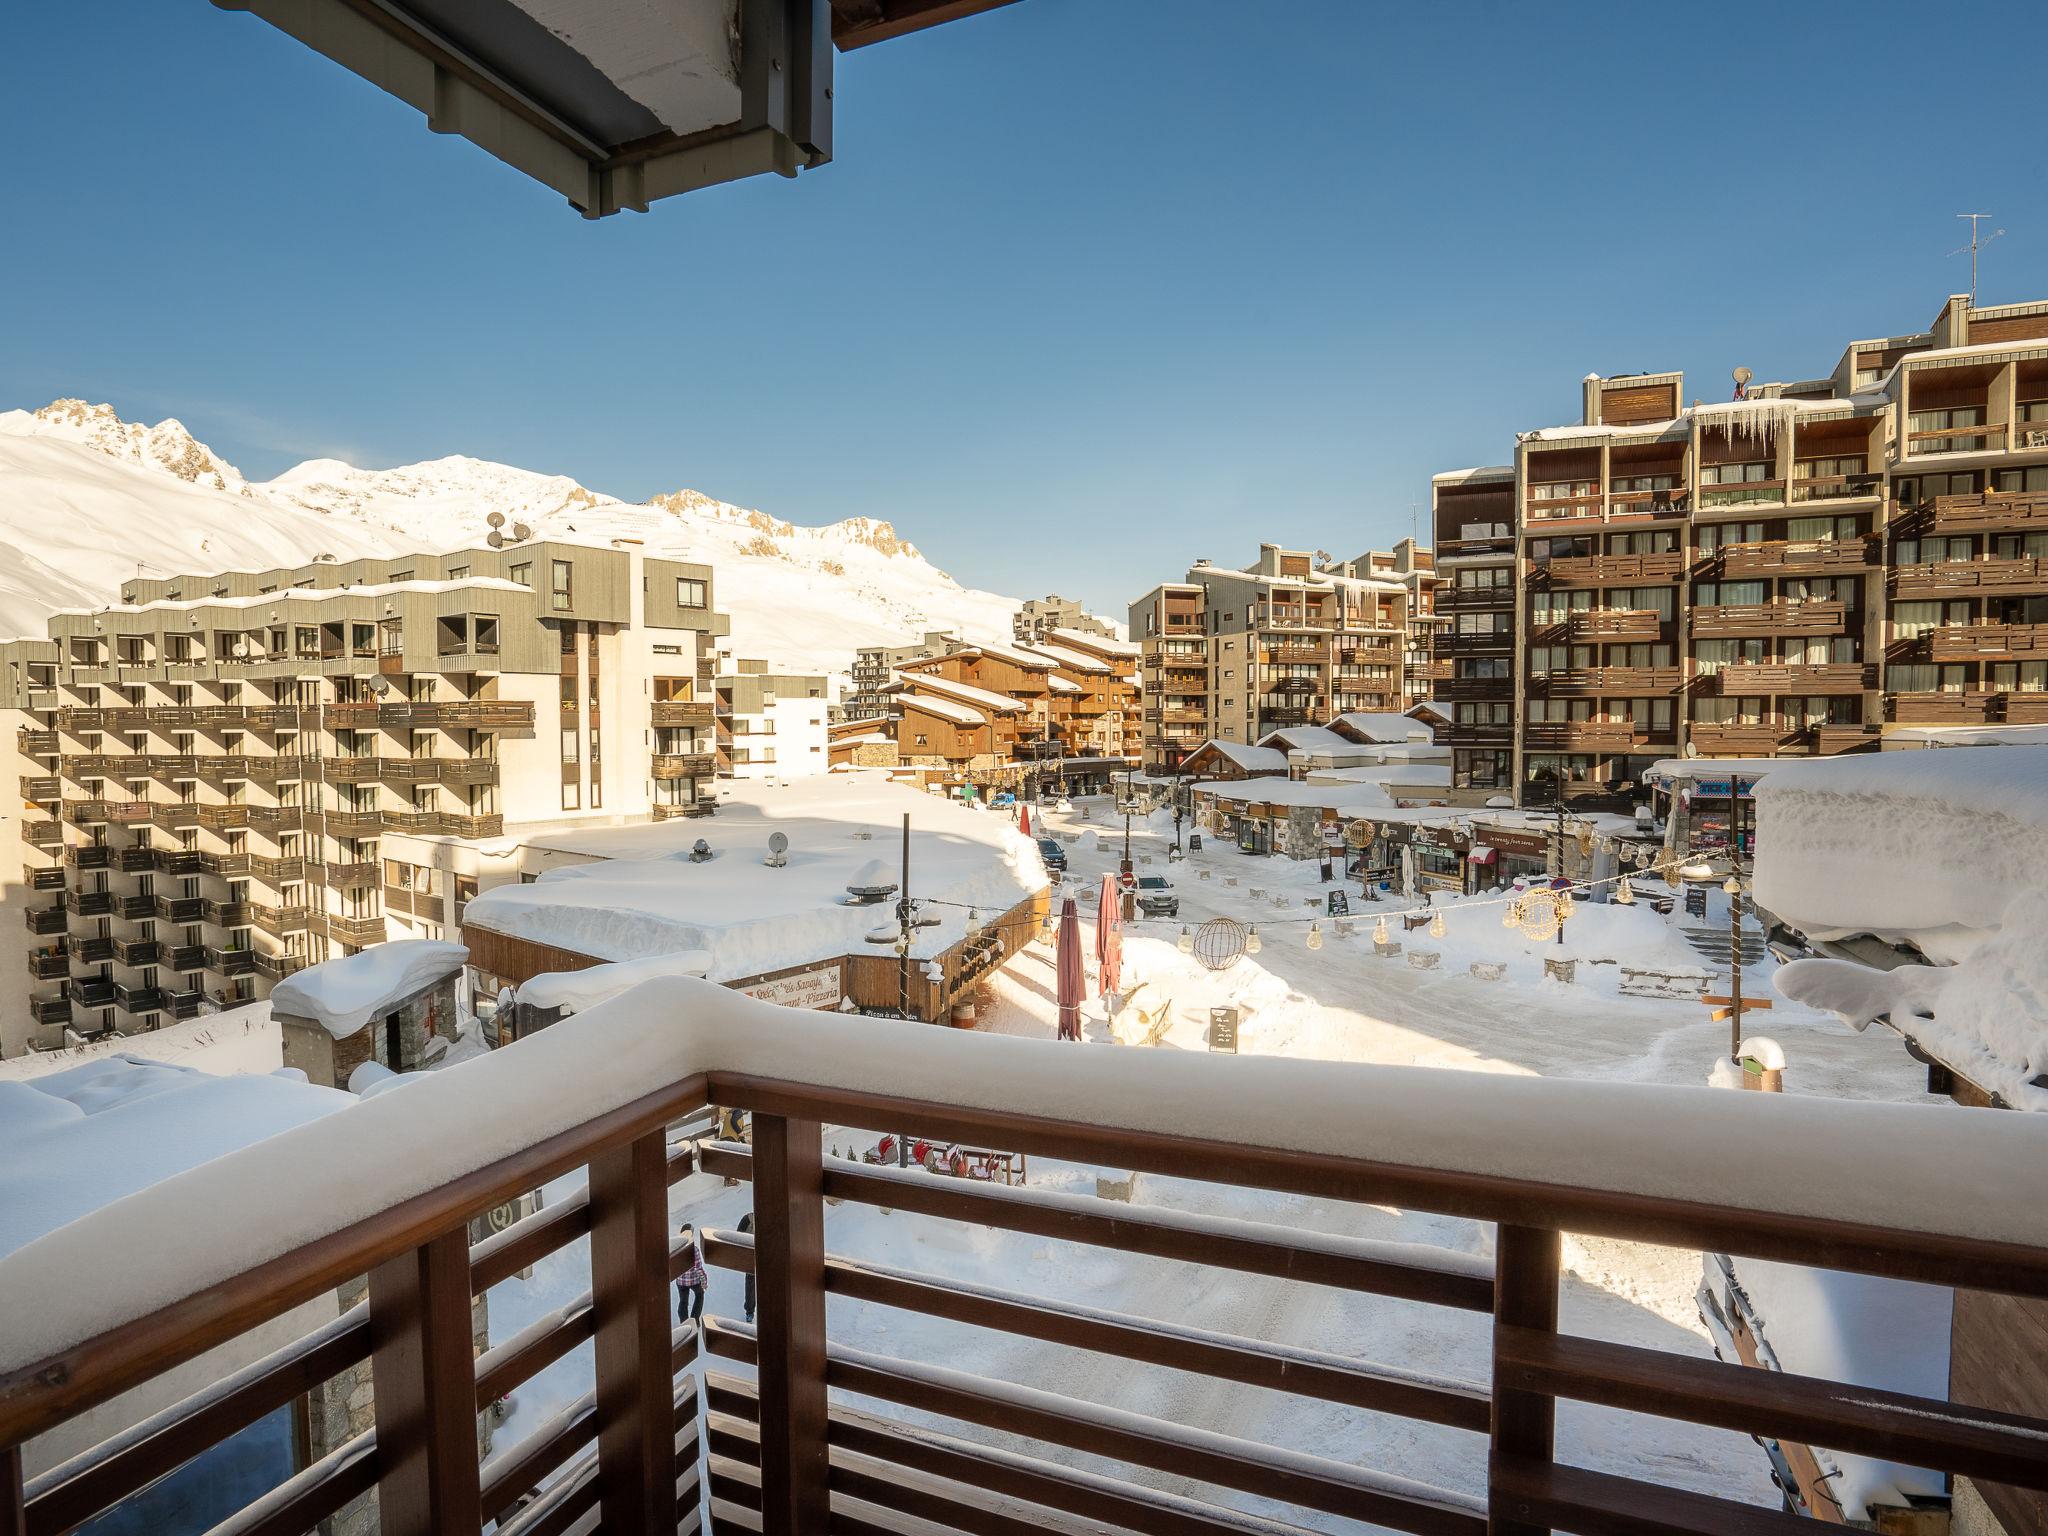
point(1054, 855)
point(1157, 897)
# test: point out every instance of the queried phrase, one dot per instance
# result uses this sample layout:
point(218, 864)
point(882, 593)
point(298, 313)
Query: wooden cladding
point(2014, 328)
point(1639, 402)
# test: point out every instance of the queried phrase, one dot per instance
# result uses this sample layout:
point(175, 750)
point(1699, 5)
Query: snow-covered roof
point(1017, 655)
point(1757, 413)
point(594, 984)
point(1377, 726)
point(77, 1139)
point(1064, 684)
point(1968, 735)
point(1687, 770)
point(1488, 472)
point(1250, 759)
point(643, 897)
point(987, 698)
point(1366, 798)
point(1310, 738)
point(1072, 660)
point(345, 994)
point(1434, 706)
point(945, 709)
point(302, 595)
point(866, 739)
point(1102, 643)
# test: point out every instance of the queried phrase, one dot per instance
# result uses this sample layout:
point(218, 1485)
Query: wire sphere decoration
point(1219, 943)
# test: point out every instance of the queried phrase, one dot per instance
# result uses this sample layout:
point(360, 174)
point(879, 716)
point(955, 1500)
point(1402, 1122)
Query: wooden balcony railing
point(2026, 574)
point(1797, 557)
point(1619, 682)
point(1974, 708)
point(1809, 618)
point(1598, 625)
point(1609, 570)
point(1591, 735)
point(1993, 642)
point(793, 1458)
point(682, 712)
point(1823, 678)
point(2024, 510)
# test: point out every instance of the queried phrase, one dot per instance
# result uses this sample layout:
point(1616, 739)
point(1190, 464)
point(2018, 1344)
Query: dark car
point(1054, 855)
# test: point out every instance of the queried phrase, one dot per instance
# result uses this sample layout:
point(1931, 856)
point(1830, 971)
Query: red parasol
point(1023, 818)
point(1109, 937)
point(1073, 981)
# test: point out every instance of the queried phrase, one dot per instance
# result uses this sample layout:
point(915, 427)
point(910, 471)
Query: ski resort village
point(1474, 965)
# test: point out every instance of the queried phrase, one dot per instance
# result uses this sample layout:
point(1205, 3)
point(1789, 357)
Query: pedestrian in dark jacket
point(747, 1225)
point(692, 1283)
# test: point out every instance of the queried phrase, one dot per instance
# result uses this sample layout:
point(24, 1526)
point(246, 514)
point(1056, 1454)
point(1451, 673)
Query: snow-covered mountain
point(88, 500)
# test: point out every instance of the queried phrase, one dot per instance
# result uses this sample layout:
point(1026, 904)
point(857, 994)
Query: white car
point(1157, 897)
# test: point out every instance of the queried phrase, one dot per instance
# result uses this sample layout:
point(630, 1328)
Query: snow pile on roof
point(345, 994)
point(642, 897)
point(578, 991)
point(1923, 848)
point(1377, 727)
point(79, 1139)
point(1985, 1017)
point(1093, 642)
point(943, 708)
point(1347, 796)
point(1310, 738)
point(1250, 759)
point(239, 1039)
point(1072, 660)
point(1901, 1167)
point(987, 698)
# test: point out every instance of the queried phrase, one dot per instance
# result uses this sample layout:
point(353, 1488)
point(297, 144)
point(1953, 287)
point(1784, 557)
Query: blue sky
point(1094, 286)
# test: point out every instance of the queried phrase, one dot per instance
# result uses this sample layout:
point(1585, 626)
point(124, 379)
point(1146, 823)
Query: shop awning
point(1481, 854)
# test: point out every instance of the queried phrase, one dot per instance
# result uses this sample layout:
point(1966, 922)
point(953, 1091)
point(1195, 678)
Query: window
point(562, 591)
point(521, 573)
point(572, 799)
point(457, 572)
point(690, 592)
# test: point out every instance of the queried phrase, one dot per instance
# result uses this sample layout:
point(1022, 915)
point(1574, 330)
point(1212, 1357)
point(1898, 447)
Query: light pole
point(1733, 886)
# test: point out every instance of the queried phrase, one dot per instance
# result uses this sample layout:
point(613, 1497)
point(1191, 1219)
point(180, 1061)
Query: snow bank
point(579, 991)
point(346, 994)
point(1985, 1017)
point(235, 1040)
point(1910, 1168)
point(1927, 848)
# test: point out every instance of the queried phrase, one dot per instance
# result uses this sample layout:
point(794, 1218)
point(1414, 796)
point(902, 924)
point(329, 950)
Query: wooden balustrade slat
point(503, 1254)
point(423, 1362)
point(1156, 1233)
point(513, 1472)
point(13, 1509)
point(1598, 1504)
point(789, 1269)
point(297, 1505)
point(1977, 1442)
point(629, 1249)
point(562, 1506)
point(1253, 1362)
point(1524, 1421)
point(531, 1350)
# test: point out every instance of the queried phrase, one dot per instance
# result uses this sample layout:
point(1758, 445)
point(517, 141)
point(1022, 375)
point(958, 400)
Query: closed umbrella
point(1073, 982)
point(1109, 938)
point(1023, 818)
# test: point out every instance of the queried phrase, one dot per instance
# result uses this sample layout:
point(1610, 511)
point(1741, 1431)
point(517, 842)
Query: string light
point(1186, 942)
point(1624, 893)
point(1252, 942)
point(1379, 930)
point(1436, 925)
point(1315, 935)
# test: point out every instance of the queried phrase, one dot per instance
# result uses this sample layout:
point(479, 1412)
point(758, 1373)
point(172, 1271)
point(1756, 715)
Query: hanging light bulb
point(1436, 926)
point(1186, 942)
point(1315, 935)
point(1252, 942)
point(1624, 893)
point(1379, 929)
point(1732, 886)
point(1511, 914)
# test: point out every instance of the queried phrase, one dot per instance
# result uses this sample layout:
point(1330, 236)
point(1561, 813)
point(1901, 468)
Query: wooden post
point(1524, 1296)
point(423, 1361)
point(13, 1509)
point(633, 1325)
point(789, 1270)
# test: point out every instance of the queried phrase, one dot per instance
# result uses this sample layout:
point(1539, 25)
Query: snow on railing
point(1892, 1167)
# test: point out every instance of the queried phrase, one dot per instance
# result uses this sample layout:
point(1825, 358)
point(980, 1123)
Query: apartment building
point(1792, 572)
point(1232, 654)
point(1414, 566)
point(1040, 616)
point(228, 776)
point(769, 724)
point(873, 664)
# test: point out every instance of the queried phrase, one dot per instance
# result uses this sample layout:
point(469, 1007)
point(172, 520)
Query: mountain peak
point(167, 446)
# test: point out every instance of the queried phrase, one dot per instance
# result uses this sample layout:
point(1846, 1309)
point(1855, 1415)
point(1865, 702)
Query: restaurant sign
point(819, 988)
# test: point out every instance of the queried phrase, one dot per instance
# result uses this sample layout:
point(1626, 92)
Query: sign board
point(820, 988)
point(1696, 901)
point(1748, 1003)
point(1337, 904)
point(1223, 1029)
point(1333, 835)
point(1194, 842)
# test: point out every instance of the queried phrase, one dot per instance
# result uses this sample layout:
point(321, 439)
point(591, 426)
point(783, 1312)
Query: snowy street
point(1340, 1002)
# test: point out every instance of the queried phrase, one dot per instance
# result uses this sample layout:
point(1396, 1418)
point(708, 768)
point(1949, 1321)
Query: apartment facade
point(228, 776)
point(1232, 654)
point(872, 665)
point(769, 724)
point(1792, 572)
point(1414, 566)
point(1040, 616)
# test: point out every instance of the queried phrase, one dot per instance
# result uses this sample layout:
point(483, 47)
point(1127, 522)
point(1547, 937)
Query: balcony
point(790, 1447)
point(138, 1000)
point(1633, 506)
point(43, 834)
point(133, 907)
point(280, 920)
point(92, 992)
point(1837, 487)
point(1591, 736)
point(1491, 643)
point(464, 714)
point(181, 909)
point(2026, 708)
point(1600, 625)
point(185, 957)
point(1616, 682)
point(49, 965)
point(230, 963)
point(39, 787)
point(1606, 570)
point(1969, 439)
point(226, 914)
point(1741, 493)
point(134, 858)
point(1974, 708)
point(1584, 507)
point(688, 765)
point(468, 770)
point(445, 823)
point(1776, 618)
point(226, 865)
point(347, 876)
point(1989, 642)
point(2024, 576)
point(50, 1010)
point(2022, 511)
point(1825, 678)
point(36, 743)
point(87, 813)
point(137, 952)
point(351, 930)
point(1797, 557)
point(1742, 738)
point(42, 878)
point(1479, 733)
point(92, 951)
point(89, 903)
point(184, 1005)
point(177, 861)
point(684, 713)
point(89, 856)
point(277, 871)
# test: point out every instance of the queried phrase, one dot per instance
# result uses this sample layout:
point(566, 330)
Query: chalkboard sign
point(1337, 904)
point(1696, 901)
point(1223, 1029)
point(1194, 842)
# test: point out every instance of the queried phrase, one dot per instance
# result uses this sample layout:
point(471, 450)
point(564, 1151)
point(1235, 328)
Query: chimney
point(1591, 411)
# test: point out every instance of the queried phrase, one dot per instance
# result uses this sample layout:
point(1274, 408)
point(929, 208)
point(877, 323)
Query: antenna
point(1973, 248)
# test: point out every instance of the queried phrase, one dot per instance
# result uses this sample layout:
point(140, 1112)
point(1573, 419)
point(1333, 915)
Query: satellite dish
point(778, 850)
point(1743, 375)
point(495, 539)
point(521, 531)
point(495, 520)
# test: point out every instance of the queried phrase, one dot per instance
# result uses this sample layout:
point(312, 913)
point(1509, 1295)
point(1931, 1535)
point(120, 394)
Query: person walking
point(747, 1225)
point(693, 1282)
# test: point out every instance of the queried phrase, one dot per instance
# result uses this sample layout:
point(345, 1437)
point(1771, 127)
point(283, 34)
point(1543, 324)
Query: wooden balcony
point(49, 965)
point(36, 743)
point(686, 765)
point(280, 920)
point(1778, 618)
point(2026, 708)
point(1989, 642)
point(1564, 509)
point(1957, 439)
point(1618, 682)
point(469, 714)
point(1590, 736)
point(685, 713)
point(1738, 494)
point(1800, 557)
point(1633, 506)
point(46, 921)
point(42, 877)
point(2021, 511)
point(1837, 487)
point(1600, 625)
point(1609, 570)
point(230, 963)
point(2024, 576)
point(1975, 708)
point(792, 1453)
point(1827, 678)
point(350, 930)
